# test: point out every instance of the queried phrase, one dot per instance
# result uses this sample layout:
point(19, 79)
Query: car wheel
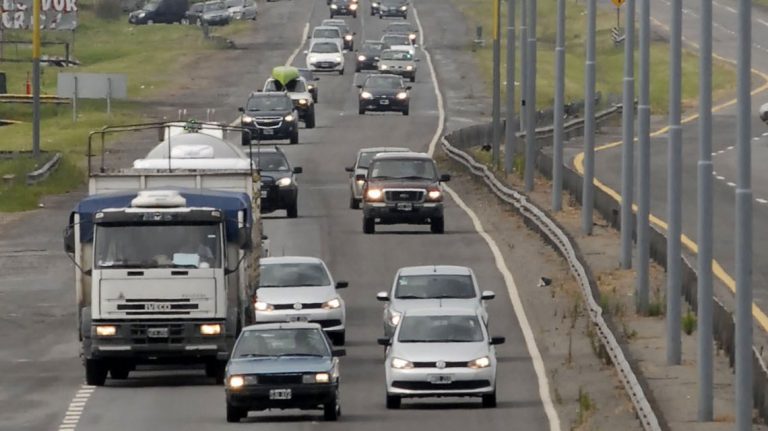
point(309, 123)
point(361, 111)
point(393, 401)
point(293, 210)
point(331, 15)
point(234, 414)
point(185, 21)
point(119, 372)
point(338, 338)
point(437, 225)
point(406, 111)
point(369, 225)
point(381, 17)
point(354, 203)
point(413, 78)
point(295, 137)
point(150, 22)
point(354, 15)
point(332, 410)
point(315, 97)
point(489, 400)
point(341, 72)
point(215, 370)
point(357, 69)
point(95, 372)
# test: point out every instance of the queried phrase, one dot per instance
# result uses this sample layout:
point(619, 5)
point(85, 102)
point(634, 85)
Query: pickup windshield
point(157, 246)
point(440, 329)
point(404, 169)
point(434, 286)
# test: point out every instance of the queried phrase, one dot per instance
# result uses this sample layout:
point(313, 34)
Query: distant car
point(343, 7)
point(269, 116)
point(192, 16)
point(382, 92)
point(280, 366)
point(399, 41)
point(347, 34)
point(325, 56)
point(393, 8)
point(298, 90)
point(312, 85)
point(367, 55)
point(242, 9)
point(279, 189)
point(404, 28)
point(215, 13)
point(398, 62)
point(360, 167)
point(160, 12)
point(441, 352)
point(403, 188)
point(326, 33)
point(374, 7)
point(429, 287)
point(300, 289)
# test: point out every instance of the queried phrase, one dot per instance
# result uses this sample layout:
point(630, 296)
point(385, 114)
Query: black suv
point(402, 188)
point(269, 116)
point(279, 189)
point(382, 92)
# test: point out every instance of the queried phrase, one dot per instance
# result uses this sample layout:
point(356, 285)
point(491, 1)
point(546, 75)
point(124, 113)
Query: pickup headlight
point(333, 6)
point(402, 95)
point(394, 318)
point(210, 329)
point(412, 36)
point(375, 4)
point(284, 182)
point(310, 87)
point(348, 37)
point(403, 7)
point(366, 95)
point(383, 67)
point(353, 7)
point(106, 330)
point(303, 101)
point(409, 67)
point(360, 58)
point(289, 118)
point(263, 306)
point(483, 362)
point(374, 194)
point(316, 378)
point(247, 119)
point(332, 304)
point(401, 364)
point(434, 195)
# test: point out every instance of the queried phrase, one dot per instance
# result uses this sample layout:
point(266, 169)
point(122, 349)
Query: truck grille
point(138, 307)
point(404, 195)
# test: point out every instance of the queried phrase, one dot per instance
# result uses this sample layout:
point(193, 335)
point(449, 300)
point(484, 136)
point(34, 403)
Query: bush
point(108, 9)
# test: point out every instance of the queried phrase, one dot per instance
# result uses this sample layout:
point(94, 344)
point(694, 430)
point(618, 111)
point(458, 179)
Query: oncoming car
point(282, 366)
point(393, 8)
point(325, 56)
point(269, 116)
point(360, 167)
point(368, 54)
point(440, 352)
point(398, 62)
point(382, 92)
point(279, 189)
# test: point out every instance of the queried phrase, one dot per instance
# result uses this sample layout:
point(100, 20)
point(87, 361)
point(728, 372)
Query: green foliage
point(689, 322)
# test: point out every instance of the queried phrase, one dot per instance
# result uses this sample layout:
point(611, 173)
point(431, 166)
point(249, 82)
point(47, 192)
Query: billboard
point(54, 14)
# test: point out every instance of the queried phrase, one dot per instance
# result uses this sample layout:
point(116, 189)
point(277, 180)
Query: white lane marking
point(762, 201)
point(301, 45)
point(764, 134)
point(501, 265)
point(730, 148)
point(726, 7)
point(756, 138)
point(517, 305)
point(76, 407)
point(720, 177)
point(763, 22)
point(714, 173)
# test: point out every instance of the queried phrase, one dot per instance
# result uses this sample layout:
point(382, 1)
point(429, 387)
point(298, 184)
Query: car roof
point(263, 149)
point(403, 155)
point(289, 259)
point(269, 93)
point(440, 311)
point(325, 27)
point(282, 325)
point(435, 269)
point(384, 150)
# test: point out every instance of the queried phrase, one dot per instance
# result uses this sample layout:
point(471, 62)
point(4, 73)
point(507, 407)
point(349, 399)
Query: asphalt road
point(43, 372)
point(608, 162)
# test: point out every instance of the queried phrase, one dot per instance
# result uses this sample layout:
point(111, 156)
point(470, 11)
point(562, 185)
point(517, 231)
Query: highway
point(42, 373)
point(608, 162)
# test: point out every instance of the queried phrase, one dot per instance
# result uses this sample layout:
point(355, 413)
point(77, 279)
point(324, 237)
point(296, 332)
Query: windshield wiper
point(411, 297)
point(451, 297)
point(414, 177)
point(255, 355)
point(439, 340)
point(308, 355)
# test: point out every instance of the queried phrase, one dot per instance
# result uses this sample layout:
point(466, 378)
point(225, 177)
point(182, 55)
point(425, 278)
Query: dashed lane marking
point(76, 407)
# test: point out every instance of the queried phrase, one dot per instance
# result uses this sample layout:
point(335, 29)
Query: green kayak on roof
point(285, 74)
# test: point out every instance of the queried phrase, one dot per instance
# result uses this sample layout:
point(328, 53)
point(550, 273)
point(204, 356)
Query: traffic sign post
point(618, 4)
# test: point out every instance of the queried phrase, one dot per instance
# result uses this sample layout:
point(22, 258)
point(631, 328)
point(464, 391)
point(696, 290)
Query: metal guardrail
point(559, 239)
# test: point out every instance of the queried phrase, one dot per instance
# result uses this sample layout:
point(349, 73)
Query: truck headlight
point(401, 364)
point(375, 4)
point(106, 330)
point(394, 318)
point(409, 67)
point(483, 362)
point(263, 306)
point(412, 36)
point(434, 195)
point(236, 382)
point(403, 7)
point(333, 6)
point(247, 119)
point(374, 194)
point(383, 67)
point(332, 304)
point(402, 95)
point(353, 7)
point(210, 329)
point(284, 182)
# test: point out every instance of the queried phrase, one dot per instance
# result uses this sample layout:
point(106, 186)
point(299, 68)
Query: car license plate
point(299, 318)
point(157, 332)
point(264, 194)
point(404, 206)
point(280, 394)
point(440, 379)
point(269, 132)
point(384, 102)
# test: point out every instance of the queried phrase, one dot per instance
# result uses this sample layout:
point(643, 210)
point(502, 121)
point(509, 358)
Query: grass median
point(152, 57)
point(610, 58)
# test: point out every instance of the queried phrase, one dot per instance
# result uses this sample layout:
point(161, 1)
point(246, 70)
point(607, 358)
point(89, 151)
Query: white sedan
point(325, 56)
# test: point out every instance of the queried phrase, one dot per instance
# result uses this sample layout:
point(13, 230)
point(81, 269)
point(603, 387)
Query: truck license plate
point(157, 332)
point(280, 394)
point(440, 379)
point(404, 206)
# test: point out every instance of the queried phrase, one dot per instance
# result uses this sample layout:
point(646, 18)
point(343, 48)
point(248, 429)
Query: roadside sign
point(54, 14)
point(618, 3)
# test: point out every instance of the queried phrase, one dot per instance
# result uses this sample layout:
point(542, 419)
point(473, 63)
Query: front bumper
point(416, 382)
point(368, 64)
point(158, 342)
point(389, 213)
point(399, 71)
point(303, 396)
point(343, 11)
point(274, 197)
point(388, 13)
point(325, 66)
point(216, 21)
point(330, 320)
point(384, 104)
point(271, 129)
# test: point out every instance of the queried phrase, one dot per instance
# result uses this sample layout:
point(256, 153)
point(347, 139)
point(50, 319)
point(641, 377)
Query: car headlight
point(310, 87)
point(412, 36)
point(339, 59)
point(361, 58)
point(332, 304)
point(401, 364)
point(263, 306)
point(374, 194)
point(106, 330)
point(366, 95)
point(483, 362)
point(375, 4)
point(333, 6)
point(360, 182)
point(434, 195)
point(142, 14)
point(316, 378)
point(289, 118)
point(409, 67)
point(402, 95)
point(236, 382)
point(247, 119)
point(403, 7)
point(383, 67)
point(284, 182)
point(210, 329)
point(302, 101)
point(353, 7)
point(394, 318)
point(348, 37)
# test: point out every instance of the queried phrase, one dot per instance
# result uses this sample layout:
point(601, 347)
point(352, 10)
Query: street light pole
point(559, 114)
point(36, 79)
point(628, 146)
point(496, 126)
point(530, 135)
point(510, 140)
point(644, 165)
point(587, 197)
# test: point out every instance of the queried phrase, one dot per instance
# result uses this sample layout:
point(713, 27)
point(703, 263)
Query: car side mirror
point(298, 170)
point(244, 238)
point(445, 178)
point(498, 340)
point(488, 295)
point(359, 177)
point(339, 352)
point(408, 87)
point(241, 110)
point(342, 284)
point(382, 296)
point(316, 78)
point(417, 59)
point(383, 341)
point(349, 169)
point(359, 86)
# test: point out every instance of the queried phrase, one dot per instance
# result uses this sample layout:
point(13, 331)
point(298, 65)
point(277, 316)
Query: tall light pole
point(628, 146)
point(530, 135)
point(644, 164)
point(36, 78)
point(523, 62)
point(588, 187)
point(496, 126)
point(559, 114)
point(510, 140)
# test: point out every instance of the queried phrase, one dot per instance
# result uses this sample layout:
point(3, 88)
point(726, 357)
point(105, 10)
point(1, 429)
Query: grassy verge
point(152, 57)
point(610, 59)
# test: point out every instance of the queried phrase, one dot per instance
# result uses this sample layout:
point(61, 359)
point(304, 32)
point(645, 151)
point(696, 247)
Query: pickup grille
point(404, 195)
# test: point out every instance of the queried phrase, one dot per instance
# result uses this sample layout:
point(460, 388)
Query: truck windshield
point(157, 246)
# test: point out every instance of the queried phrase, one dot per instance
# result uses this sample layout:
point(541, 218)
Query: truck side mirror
point(241, 110)
point(244, 238)
point(445, 178)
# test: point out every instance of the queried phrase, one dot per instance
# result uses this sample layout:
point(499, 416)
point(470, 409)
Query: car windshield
point(392, 3)
point(396, 39)
point(271, 161)
point(434, 286)
point(196, 8)
point(384, 82)
point(326, 33)
point(269, 103)
point(372, 47)
point(293, 275)
point(403, 169)
point(342, 28)
point(211, 7)
point(294, 86)
point(281, 342)
point(325, 48)
point(440, 329)
point(396, 55)
point(157, 246)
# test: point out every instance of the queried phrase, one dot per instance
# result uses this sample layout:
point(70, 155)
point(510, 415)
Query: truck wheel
point(119, 372)
point(310, 121)
point(246, 138)
point(332, 410)
point(215, 370)
point(393, 401)
point(369, 225)
point(295, 137)
point(95, 372)
point(437, 225)
point(354, 203)
point(292, 211)
point(234, 414)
